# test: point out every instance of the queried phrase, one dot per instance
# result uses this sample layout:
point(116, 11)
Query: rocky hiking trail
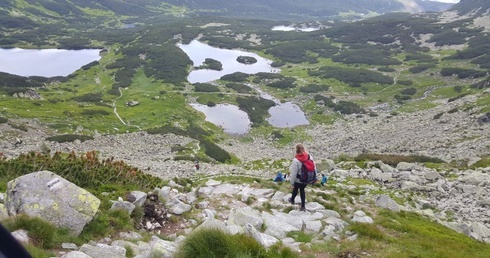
point(261, 208)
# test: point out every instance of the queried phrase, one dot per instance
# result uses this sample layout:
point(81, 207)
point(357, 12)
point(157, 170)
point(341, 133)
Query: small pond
point(198, 52)
point(228, 117)
point(290, 28)
point(45, 62)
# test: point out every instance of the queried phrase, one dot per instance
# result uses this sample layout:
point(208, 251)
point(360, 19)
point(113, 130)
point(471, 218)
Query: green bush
point(346, 107)
point(19, 127)
point(463, 73)
point(69, 138)
point(214, 243)
point(90, 97)
point(438, 115)
point(314, 88)
point(421, 67)
point(393, 160)
point(206, 87)
point(3, 120)
point(94, 112)
point(42, 233)
point(215, 152)
point(212, 64)
point(352, 76)
point(238, 87)
point(86, 170)
point(107, 223)
point(235, 77)
point(409, 91)
point(367, 230)
point(246, 59)
point(386, 69)
point(457, 97)
point(458, 88)
point(285, 83)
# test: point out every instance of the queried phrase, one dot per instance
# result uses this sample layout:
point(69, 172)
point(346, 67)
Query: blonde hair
point(300, 148)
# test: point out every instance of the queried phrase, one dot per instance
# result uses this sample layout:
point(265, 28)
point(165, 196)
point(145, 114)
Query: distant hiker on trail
point(324, 179)
point(295, 169)
point(279, 177)
point(196, 164)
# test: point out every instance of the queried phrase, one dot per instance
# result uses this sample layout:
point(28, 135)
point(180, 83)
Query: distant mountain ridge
point(47, 11)
point(473, 7)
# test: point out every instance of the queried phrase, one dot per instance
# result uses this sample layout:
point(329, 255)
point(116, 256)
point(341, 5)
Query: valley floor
point(454, 136)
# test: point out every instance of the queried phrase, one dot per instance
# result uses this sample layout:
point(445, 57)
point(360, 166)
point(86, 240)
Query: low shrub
point(235, 77)
point(393, 160)
point(457, 97)
point(215, 152)
point(458, 88)
point(19, 127)
point(205, 87)
point(314, 88)
point(438, 115)
point(3, 120)
point(386, 69)
point(246, 59)
point(453, 110)
point(69, 138)
point(94, 112)
point(409, 91)
point(215, 243)
point(367, 230)
point(85, 170)
point(420, 68)
point(90, 97)
point(42, 233)
point(300, 236)
point(238, 87)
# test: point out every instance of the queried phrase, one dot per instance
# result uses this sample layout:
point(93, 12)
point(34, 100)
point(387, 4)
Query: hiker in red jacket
point(295, 169)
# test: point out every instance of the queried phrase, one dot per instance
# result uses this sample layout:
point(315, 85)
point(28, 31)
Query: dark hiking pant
point(302, 194)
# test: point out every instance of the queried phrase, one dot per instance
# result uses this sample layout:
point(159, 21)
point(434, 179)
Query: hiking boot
point(302, 209)
point(290, 200)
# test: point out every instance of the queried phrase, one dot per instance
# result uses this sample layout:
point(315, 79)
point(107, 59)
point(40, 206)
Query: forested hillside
point(473, 7)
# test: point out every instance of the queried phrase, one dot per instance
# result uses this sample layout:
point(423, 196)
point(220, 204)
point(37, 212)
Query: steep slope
point(471, 7)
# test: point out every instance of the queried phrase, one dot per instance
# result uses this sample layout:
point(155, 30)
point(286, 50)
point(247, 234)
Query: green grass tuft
point(214, 243)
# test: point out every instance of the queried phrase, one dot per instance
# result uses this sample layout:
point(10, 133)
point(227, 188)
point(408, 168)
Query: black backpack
point(308, 173)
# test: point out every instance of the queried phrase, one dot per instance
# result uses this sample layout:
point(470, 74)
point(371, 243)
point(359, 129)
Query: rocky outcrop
point(464, 194)
point(48, 196)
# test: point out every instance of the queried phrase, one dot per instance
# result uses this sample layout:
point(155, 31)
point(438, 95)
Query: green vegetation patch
point(41, 233)
point(195, 132)
point(215, 243)
point(314, 88)
point(85, 170)
point(246, 59)
point(211, 64)
point(353, 77)
point(393, 160)
point(482, 163)
point(206, 87)
point(419, 237)
point(69, 138)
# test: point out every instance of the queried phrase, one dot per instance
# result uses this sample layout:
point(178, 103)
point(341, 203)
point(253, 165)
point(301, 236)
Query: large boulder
point(48, 196)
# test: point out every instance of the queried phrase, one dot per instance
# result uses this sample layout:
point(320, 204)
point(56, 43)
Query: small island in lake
point(211, 64)
point(246, 60)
